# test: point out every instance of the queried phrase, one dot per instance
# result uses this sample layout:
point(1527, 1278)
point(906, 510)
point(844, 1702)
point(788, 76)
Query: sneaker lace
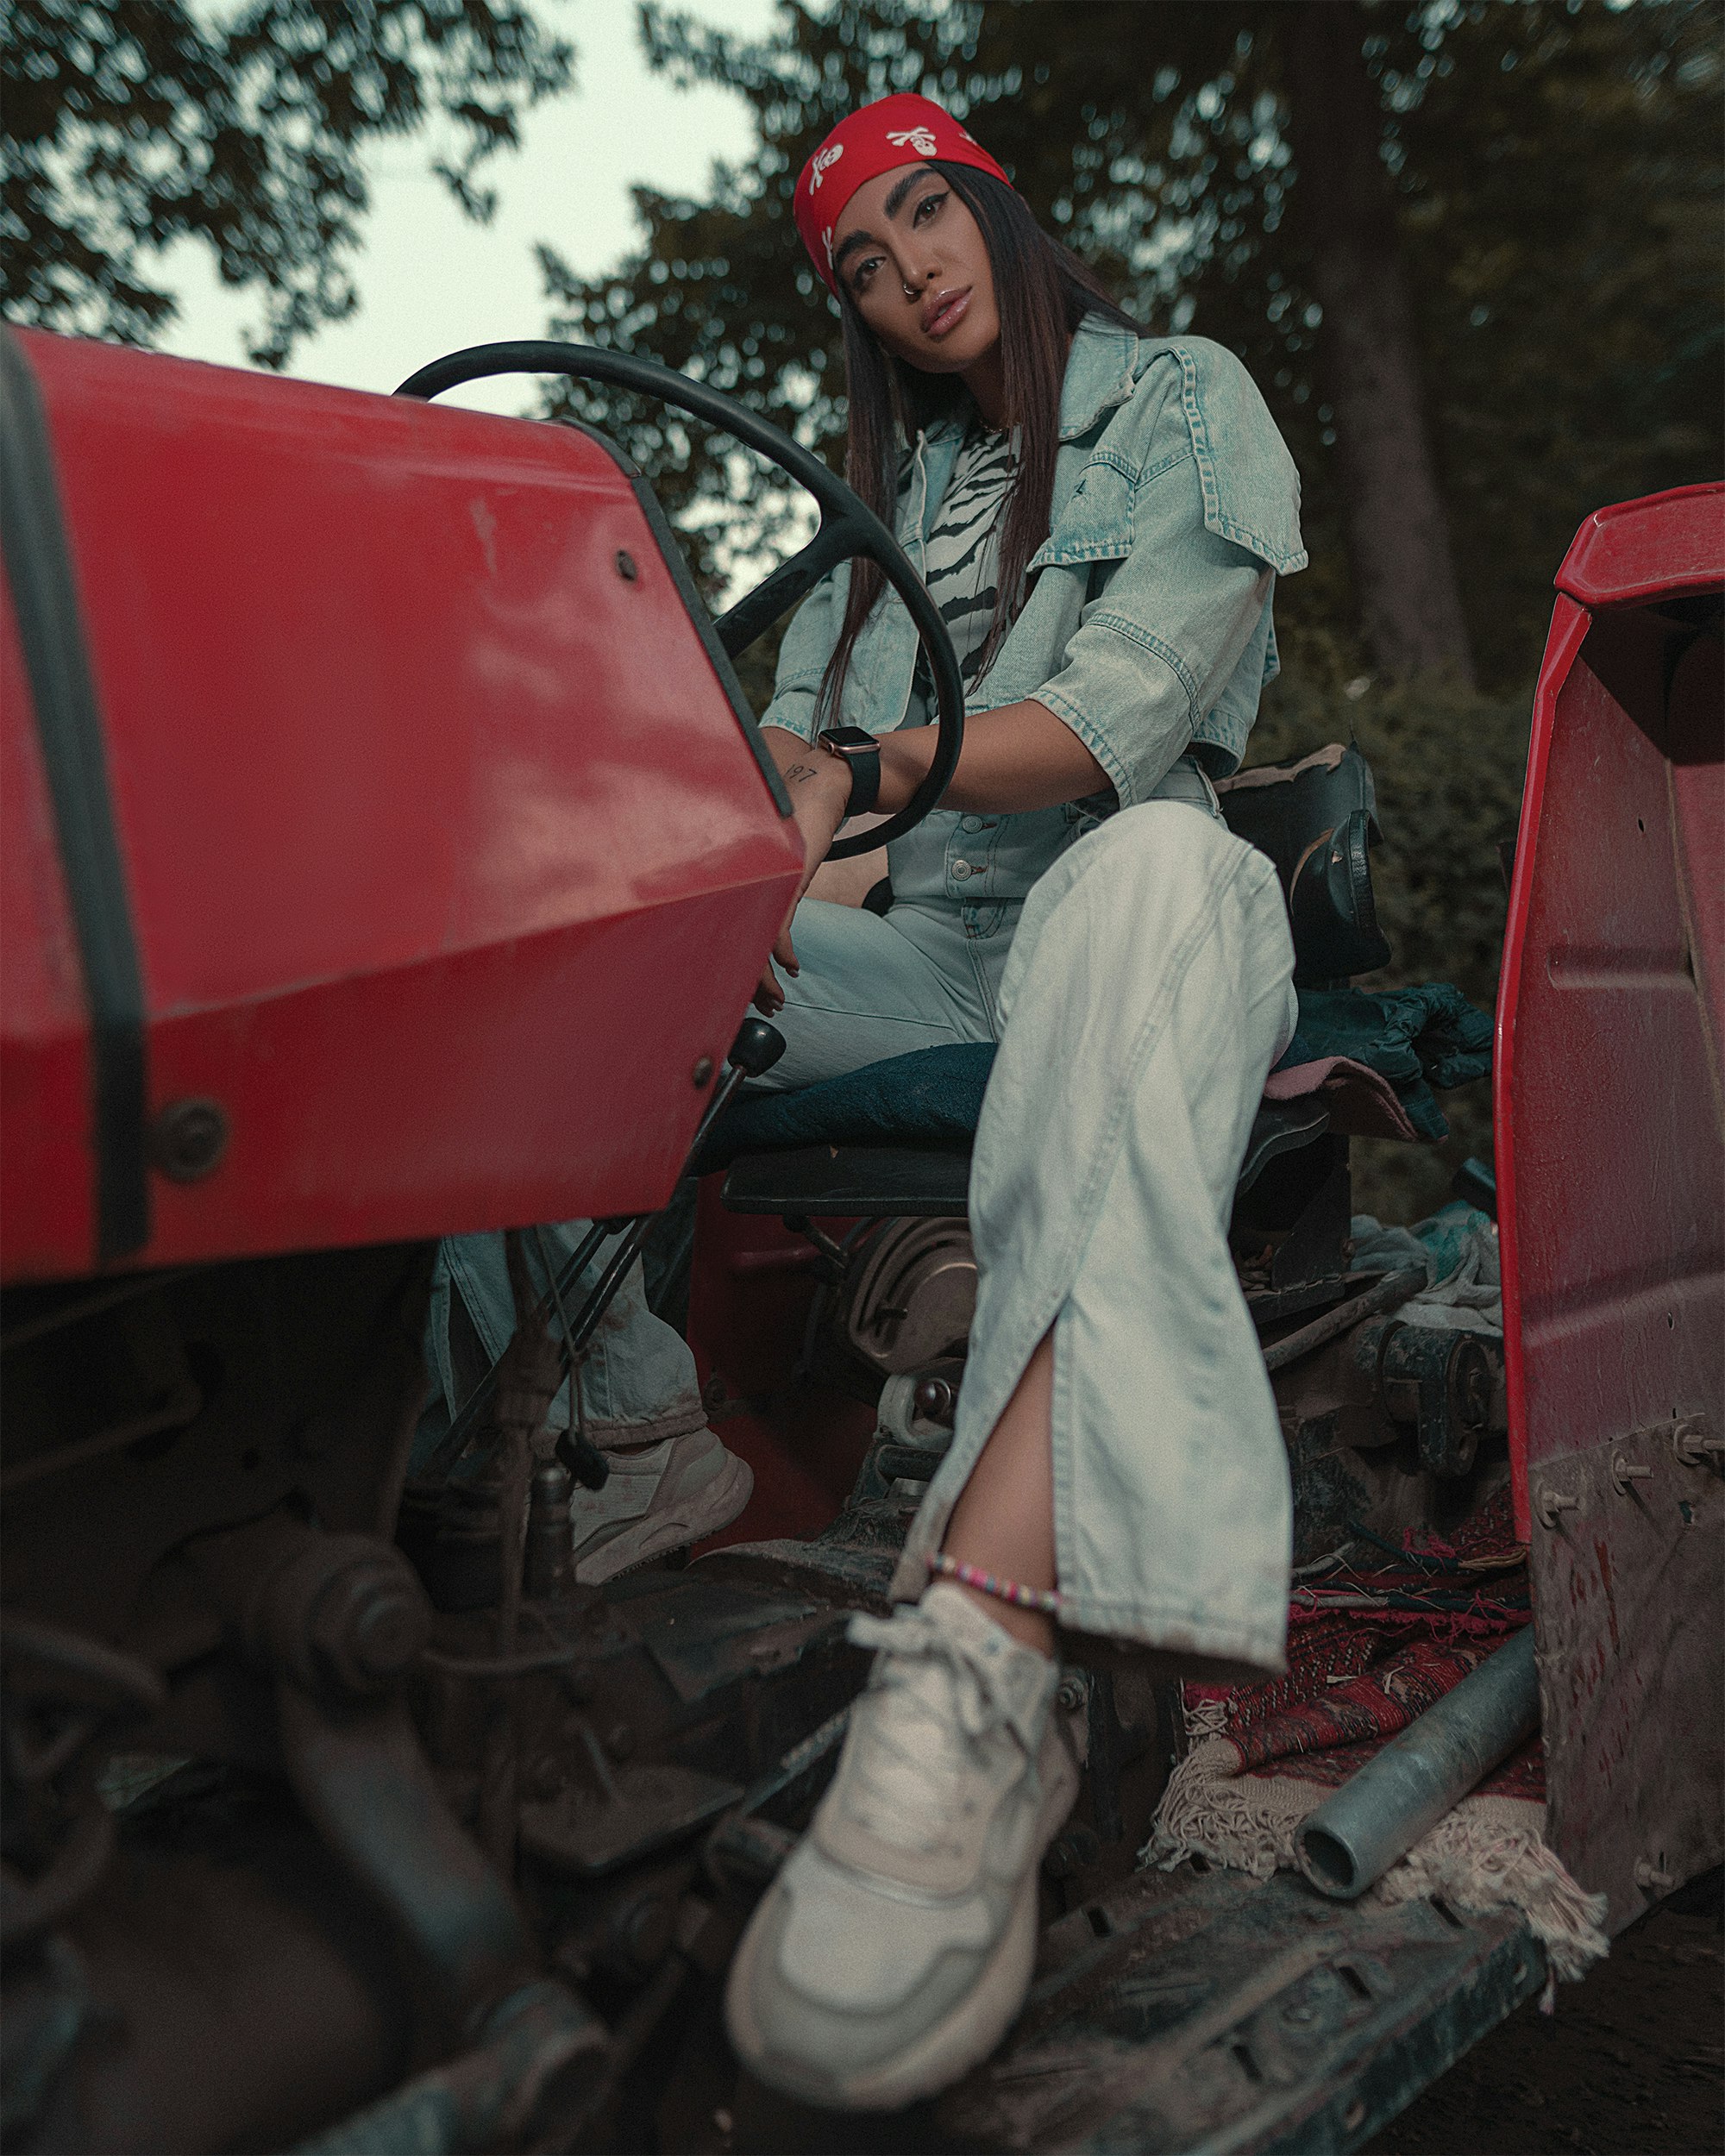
point(921, 1753)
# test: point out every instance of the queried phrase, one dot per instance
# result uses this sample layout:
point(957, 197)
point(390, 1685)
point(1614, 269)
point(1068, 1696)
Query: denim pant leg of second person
point(868, 989)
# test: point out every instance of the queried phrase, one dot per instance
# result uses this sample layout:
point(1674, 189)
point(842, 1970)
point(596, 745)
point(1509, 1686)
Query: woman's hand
point(1016, 757)
point(819, 787)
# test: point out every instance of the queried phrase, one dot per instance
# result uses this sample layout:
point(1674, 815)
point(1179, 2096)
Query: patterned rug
point(1370, 1647)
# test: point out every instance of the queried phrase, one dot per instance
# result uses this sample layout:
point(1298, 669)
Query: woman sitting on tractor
point(1101, 515)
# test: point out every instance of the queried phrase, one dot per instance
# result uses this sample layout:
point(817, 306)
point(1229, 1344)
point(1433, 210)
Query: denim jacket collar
point(1100, 369)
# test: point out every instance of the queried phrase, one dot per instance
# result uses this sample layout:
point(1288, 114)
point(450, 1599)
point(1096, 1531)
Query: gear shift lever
point(757, 1047)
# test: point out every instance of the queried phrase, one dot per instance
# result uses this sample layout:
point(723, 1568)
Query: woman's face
point(913, 259)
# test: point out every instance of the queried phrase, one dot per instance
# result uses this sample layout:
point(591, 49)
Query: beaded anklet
point(1041, 1599)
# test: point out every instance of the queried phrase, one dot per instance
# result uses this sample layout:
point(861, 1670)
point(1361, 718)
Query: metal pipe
point(1356, 1835)
point(1390, 1294)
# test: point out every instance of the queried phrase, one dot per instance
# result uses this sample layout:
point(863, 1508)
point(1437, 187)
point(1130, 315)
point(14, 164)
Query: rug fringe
point(1488, 1853)
point(1479, 1865)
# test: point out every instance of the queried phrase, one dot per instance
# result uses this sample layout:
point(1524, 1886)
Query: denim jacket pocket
point(1096, 524)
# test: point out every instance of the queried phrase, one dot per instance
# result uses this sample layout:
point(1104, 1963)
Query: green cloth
point(1417, 1038)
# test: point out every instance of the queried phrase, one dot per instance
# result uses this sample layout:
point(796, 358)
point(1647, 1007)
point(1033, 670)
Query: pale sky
point(430, 280)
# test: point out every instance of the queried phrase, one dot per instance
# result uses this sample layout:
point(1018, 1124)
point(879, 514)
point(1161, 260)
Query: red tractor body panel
point(1611, 1163)
point(448, 858)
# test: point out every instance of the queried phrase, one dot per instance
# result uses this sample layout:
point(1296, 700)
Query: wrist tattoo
point(794, 774)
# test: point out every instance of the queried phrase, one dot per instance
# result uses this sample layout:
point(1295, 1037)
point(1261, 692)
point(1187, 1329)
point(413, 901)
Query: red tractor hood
point(385, 848)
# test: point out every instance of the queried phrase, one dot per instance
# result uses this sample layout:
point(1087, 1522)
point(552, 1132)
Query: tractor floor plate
point(1218, 2014)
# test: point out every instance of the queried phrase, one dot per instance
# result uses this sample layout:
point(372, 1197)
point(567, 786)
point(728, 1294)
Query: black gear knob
point(757, 1047)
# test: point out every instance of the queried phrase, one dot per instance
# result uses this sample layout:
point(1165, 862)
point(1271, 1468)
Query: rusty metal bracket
point(1176, 2013)
point(1629, 1607)
point(338, 1620)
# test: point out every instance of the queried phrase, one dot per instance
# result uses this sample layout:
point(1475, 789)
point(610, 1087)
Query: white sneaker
point(891, 1953)
point(658, 1498)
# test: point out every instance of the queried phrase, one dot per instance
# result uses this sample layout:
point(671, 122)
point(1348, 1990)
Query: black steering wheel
point(847, 528)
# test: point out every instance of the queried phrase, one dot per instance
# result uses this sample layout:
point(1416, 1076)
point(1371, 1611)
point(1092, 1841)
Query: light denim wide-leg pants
point(1140, 996)
point(1147, 994)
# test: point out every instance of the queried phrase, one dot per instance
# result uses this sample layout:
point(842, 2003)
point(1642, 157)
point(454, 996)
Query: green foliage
point(721, 289)
point(1449, 766)
point(1562, 222)
point(1556, 168)
point(132, 124)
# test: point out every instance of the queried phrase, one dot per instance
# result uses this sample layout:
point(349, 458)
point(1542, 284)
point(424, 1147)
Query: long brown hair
point(1043, 292)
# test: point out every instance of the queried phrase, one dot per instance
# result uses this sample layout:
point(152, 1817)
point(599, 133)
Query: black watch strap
point(862, 753)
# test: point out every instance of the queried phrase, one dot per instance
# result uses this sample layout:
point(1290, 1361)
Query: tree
point(1468, 248)
point(1285, 96)
point(132, 124)
point(1369, 350)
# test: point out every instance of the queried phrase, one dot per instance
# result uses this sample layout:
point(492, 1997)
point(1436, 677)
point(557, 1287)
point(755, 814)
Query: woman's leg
point(1116, 1439)
point(872, 987)
point(1147, 996)
point(866, 991)
point(1003, 1521)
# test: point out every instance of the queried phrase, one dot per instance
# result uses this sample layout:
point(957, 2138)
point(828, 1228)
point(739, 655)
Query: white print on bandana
point(918, 139)
point(826, 241)
point(823, 160)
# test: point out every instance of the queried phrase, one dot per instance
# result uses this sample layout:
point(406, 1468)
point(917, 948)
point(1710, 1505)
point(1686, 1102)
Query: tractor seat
point(908, 1176)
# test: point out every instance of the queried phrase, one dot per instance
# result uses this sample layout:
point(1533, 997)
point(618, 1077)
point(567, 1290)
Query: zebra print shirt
point(962, 550)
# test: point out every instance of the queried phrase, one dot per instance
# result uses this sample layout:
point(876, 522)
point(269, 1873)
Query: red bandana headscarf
point(902, 130)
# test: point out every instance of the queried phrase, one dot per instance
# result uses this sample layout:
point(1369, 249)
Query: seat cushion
point(874, 1181)
point(932, 1097)
point(894, 1137)
point(1416, 1037)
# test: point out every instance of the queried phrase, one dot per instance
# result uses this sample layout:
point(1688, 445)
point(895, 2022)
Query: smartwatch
point(862, 753)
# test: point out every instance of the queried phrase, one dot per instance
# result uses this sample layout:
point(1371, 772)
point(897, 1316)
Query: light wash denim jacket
point(1148, 629)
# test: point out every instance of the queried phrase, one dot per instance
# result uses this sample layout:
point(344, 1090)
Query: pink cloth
point(1362, 1102)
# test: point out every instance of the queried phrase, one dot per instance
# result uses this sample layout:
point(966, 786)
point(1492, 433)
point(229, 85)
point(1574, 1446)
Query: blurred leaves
point(133, 123)
point(1555, 171)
